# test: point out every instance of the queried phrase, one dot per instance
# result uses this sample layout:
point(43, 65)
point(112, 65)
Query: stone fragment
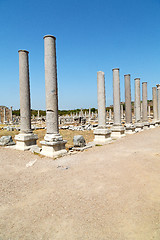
point(6, 141)
point(79, 141)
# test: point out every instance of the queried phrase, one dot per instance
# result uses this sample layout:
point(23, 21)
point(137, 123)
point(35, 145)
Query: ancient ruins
point(107, 125)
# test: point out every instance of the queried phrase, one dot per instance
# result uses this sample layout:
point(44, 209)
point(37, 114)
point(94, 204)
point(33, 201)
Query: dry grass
point(66, 134)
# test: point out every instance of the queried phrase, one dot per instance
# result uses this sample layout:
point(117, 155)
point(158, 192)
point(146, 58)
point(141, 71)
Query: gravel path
point(110, 192)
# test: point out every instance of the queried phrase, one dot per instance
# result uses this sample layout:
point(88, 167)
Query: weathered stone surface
point(6, 141)
point(79, 141)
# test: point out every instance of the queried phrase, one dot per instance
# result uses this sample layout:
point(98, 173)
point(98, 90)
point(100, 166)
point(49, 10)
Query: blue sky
point(92, 36)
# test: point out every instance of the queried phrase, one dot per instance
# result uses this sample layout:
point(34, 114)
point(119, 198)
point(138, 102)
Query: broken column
point(53, 144)
point(117, 129)
point(26, 139)
point(101, 133)
point(128, 106)
point(155, 106)
point(144, 106)
point(138, 124)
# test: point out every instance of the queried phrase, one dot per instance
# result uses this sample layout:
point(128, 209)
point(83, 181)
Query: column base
point(24, 141)
point(152, 125)
point(117, 131)
point(53, 149)
point(139, 126)
point(102, 135)
point(129, 128)
point(146, 125)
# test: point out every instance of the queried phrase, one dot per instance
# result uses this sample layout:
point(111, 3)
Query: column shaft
point(128, 106)
point(25, 103)
point(116, 96)
point(158, 100)
point(137, 100)
point(144, 102)
point(101, 99)
point(155, 104)
point(51, 85)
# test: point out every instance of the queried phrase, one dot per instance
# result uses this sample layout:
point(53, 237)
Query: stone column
point(155, 104)
point(38, 114)
point(102, 134)
point(117, 129)
point(26, 139)
point(128, 106)
point(53, 144)
point(4, 119)
point(121, 111)
point(110, 114)
point(158, 102)
point(137, 101)
point(144, 105)
point(149, 111)
point(11, 117)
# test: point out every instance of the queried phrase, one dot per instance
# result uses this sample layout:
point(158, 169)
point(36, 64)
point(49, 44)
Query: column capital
point(25, 51)
point(49, 36)
point(158, 86)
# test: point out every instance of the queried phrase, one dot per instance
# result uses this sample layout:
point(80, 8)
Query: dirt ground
point(109, 192)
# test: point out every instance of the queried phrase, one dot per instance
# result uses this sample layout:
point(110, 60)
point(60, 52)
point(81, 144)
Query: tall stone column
point(11, 117)
point(101, 133)
point(26, 139)
point(128, 106)
point(155, 104)
point(4, 119)
point(158, 102)
point(149, 111)
point(53, 144)
point(138, 124)
point(122, 111)
point(110, 114)
point(117, 129)
point(144, 105)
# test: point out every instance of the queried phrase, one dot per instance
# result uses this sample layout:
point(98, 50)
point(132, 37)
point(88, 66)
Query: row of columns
point(53, 144)
point(118, 130)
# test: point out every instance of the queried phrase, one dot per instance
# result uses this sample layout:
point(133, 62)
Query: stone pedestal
point(117, 129)
point(146, 125)
point(101, 134)
point(26, 139)
point(129, 128)
point(152, 125)
point(139, 126)
point(53, 144)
